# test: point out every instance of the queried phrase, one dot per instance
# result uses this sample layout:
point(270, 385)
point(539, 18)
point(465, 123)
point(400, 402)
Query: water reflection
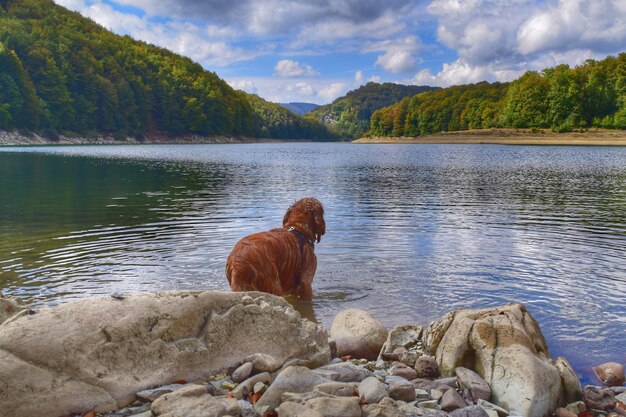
point(413, 231)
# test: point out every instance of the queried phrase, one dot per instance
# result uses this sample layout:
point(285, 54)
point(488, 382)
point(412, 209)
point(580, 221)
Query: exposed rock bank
point(201, 354)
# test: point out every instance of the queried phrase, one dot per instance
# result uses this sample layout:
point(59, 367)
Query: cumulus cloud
point(399, 54)
point(462, 72)
point(287, 68)
point(244, 85)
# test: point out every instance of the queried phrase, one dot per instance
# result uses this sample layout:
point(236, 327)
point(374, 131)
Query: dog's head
point(306, 215)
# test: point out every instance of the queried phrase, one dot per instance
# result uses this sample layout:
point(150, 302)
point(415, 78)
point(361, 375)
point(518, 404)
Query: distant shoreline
point(591, 137)
point(15, 138)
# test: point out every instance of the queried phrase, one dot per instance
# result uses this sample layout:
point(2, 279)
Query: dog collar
point(301, 237)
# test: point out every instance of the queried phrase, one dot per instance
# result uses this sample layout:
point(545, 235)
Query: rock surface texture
point(504, 345)
point(358, 334)
point(98, 353)
point(9, 308)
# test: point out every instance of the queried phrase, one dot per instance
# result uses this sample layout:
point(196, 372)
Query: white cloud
point(332, 91)
point(244, 85)
point(359, 78)
point(462, 72)
point(399, 54)
point(287, 68)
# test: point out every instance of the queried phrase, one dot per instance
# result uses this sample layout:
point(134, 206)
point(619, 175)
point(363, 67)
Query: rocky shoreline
point(197, 354)
point(15, 138)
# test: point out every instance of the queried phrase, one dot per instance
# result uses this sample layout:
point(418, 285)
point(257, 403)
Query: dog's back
point(266, 261)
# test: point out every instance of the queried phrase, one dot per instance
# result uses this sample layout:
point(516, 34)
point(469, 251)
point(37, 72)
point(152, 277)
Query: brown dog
point(280, 261)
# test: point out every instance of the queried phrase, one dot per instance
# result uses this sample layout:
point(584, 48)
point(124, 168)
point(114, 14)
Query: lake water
point(413, 231)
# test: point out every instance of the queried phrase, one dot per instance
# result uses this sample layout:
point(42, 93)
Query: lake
point(413, 231)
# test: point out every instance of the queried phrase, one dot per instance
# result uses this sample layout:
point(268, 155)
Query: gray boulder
point(358, 334)
point(98, 353)
point(504, 345)
point(9, 308)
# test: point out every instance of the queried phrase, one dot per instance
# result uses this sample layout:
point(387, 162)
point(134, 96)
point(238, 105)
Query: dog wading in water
point(280, 261)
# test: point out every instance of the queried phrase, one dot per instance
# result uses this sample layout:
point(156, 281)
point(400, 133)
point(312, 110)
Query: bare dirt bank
point(591, 137)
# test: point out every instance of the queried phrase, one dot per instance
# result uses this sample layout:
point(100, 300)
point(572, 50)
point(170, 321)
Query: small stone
point(331, 375)
point(372, 390)
point(564, 412)
point(576, 408)
point(246, 409)
point(436, 394)
point(421, 394)
point(336, 406)
point(452, 400)
point(431, 404)
point(348, 372)
point(402, 391)
point(249, 384)
point(618, 390)
point(598, 398)
point(621, 398)
point(426, 367)
point(470, 411)
point(242, 373)
point(340, 389)
point(229, 385)
point(333, 347)
point(263, 363)
point(451, 382)
point(358, 334)
point(153, 394)
point(486, 405)
point(259, 388)
point(610, 373)
point(404, 372)
point(291, 409)
point(479, 388)
point(408, 358)
point(380, 364)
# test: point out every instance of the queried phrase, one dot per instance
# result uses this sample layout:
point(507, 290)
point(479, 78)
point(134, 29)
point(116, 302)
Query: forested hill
point(560, 98)
point(349, 116)
point(61, 72)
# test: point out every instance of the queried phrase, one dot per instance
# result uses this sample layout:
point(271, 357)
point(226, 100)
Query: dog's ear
point(319, 223)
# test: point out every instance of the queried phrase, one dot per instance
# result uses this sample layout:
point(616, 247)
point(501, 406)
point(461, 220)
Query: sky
point(317, 50)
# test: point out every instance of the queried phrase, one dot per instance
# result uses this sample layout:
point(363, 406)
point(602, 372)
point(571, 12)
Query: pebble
point(402, 391)
point(564, 412)
point(470, 411)
point(404, 372)
point(598, 398)
point(486, 405)
point(242, 373)
point(610, 373)
point(452, 400)
point(372, 390)
point(426, 367)
point(577, 407)
point(432, 404)
point(153, 394)
point(479, 388)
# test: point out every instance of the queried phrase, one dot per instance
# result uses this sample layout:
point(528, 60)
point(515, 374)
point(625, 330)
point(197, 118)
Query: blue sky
point(317, 50)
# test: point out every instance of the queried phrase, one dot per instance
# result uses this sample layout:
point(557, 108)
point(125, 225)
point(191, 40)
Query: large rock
point(504, 345)
point(9, 308)
point(98, 353)
point(358, 334)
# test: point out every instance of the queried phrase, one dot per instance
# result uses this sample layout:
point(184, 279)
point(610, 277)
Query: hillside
point(563, 99)
point(300, 108)
point(349, 116)
point(61, 72)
